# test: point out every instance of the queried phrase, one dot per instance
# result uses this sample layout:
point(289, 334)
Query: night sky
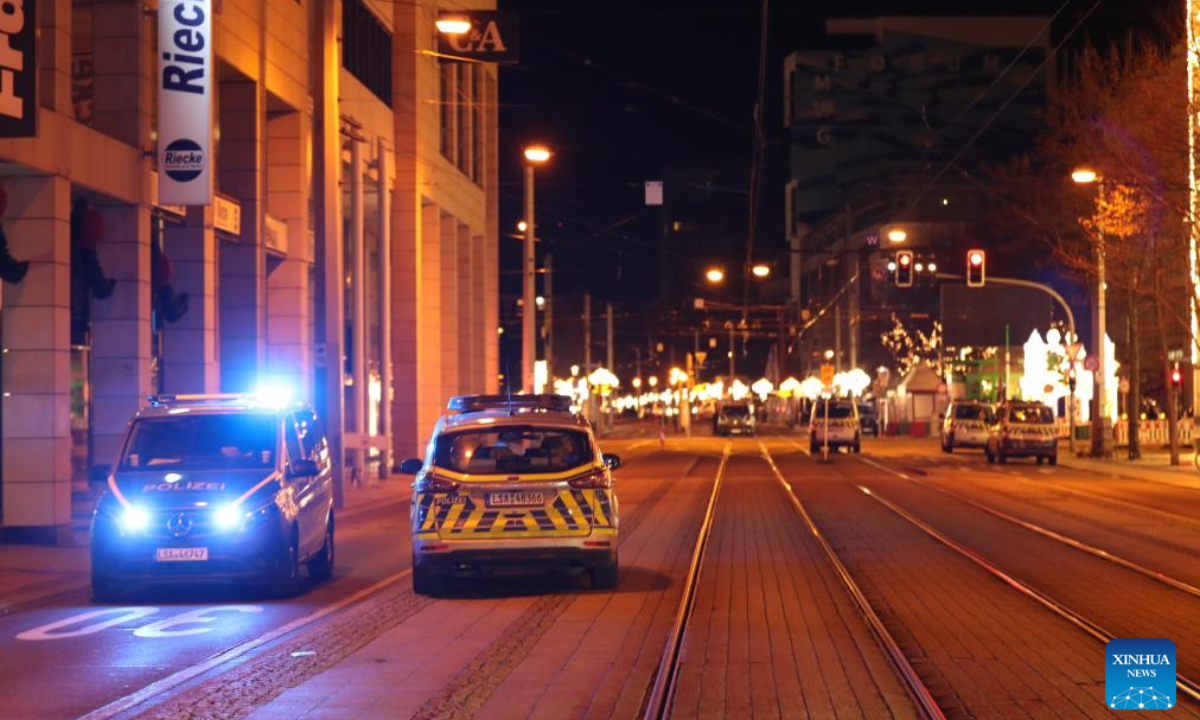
point(626, 92)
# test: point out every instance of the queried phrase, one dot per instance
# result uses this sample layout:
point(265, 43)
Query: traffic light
point(1071, 378)
point(1176, 376)
point(976, 268)
point(904, 268)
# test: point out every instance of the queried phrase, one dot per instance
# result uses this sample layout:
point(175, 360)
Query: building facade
point(349, 251)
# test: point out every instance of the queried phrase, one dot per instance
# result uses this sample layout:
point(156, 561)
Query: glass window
point(1030, 415)
point(514, 449)
point(735, 411)
point(201, 442)
point(970, 412)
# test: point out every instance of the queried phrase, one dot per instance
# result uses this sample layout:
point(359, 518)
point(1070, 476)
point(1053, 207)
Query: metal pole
point(837, 335)
point(608, 335)
point(1100, 420)
point(852, 323)
point(529, 299)
point(385, 307)
point(732, 354)
point(548, 318)
point(358, 310)
point(587, 333)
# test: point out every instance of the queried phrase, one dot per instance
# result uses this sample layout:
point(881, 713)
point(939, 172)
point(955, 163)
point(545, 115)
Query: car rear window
point(735, 411)
point(199, 442)
point(970, 412)
point(513, 449)
point(837, 411)
point(1030, 415)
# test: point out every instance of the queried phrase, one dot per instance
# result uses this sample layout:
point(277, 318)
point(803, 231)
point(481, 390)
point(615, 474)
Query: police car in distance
point(220, 487)
point(834, 423)
point(512, 484)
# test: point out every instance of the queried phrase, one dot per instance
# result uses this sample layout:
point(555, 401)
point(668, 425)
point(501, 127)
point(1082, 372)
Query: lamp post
point(534, 155)
point(1088, 176)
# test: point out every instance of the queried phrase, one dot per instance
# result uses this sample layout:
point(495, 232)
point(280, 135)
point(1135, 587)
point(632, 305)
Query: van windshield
point(201, 442)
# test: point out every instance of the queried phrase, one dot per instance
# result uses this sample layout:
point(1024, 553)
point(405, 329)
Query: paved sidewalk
point(1153, 467)
point(36, 574)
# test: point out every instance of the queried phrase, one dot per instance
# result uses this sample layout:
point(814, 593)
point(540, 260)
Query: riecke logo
point(1140, 674)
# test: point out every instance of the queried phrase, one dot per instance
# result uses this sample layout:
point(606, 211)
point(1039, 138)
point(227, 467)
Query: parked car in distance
point(1023, 429)
point(967, 424)
point(734, 418)
point(868, 418)
point(834, 423)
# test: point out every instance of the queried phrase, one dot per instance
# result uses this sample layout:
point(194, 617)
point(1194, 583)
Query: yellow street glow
point(1083, 176)
point(715, 275)
point(453, 25)
point(897, 235)
point(537, 153)
point(760, 270)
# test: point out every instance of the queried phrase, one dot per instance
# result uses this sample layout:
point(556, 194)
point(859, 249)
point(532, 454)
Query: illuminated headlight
point(134, 519)
point(228, 517)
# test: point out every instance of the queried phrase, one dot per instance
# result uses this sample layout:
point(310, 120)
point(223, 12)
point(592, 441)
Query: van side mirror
point(98, 474)
point(303, 469)
point(612, 461)
point(411, 466)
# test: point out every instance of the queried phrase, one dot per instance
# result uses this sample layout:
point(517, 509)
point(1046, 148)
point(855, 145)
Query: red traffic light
point(904, 268)
point(1176, 376)
point(976, 268)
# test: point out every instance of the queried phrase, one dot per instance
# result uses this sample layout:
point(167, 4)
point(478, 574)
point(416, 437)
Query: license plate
point(516, 499)
point(181, 554)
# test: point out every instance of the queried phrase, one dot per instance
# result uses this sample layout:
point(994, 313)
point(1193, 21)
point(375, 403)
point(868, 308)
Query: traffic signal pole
point(1070, 322)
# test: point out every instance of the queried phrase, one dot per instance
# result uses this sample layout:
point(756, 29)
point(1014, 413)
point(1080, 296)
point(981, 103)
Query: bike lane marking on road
point(55, 631)
point(180, 677)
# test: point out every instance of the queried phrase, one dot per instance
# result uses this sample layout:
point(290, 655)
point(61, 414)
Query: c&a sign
point(18, 68)
point(492, 37)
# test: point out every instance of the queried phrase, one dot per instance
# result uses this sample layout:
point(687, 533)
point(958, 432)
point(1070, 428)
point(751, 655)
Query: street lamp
point(760, 270)
point(1088, 176)
point(522, 226)
point(714, 275)
point(534, 155)
point(897, 235)
point(453, 24)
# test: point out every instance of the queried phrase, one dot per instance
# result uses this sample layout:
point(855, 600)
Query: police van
point(512, 484)
point(216, 487)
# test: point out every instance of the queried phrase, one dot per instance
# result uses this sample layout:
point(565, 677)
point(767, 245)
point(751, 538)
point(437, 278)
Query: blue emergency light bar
point(526, 403)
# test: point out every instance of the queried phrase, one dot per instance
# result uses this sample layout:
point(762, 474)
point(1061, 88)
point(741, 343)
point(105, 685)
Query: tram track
point(1187, 686)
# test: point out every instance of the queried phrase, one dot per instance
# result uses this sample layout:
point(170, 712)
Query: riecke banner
point(184, 102)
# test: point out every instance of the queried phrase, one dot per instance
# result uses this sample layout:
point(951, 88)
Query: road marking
point(54, 630)
point(202, 617)
point(176, 679)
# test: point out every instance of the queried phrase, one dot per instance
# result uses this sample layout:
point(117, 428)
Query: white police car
point(512, 484)
point(216, 487)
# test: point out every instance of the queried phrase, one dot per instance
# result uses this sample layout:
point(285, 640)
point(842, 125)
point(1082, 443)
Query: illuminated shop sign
point(18, 68)
point(492, 37)
point(184, 101)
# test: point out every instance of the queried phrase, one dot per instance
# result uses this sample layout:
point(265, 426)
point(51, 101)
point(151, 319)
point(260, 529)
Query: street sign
point(1091, 363)
point(1124, 385)
point(1073, 351)
point(701, 356)
point(654, 192)
point(827, 373)
point(1175, 356)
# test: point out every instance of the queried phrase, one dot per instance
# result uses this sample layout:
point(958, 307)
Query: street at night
point(756, 579)
point(568, 360)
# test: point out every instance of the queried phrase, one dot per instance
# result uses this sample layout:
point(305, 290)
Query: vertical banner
point(184, 102)
point(18, 68)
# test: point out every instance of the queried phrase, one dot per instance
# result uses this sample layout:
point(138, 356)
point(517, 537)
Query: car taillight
point(433, 484)
point(600, 480)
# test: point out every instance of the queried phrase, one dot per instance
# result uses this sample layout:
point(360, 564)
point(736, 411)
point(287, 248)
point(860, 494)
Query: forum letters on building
point(184, 102)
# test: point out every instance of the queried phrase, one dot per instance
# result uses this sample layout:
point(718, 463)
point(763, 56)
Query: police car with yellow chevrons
point(512, 484)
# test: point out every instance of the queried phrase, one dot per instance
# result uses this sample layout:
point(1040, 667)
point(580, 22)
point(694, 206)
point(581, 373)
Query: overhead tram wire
point(1000, 110)
point(756, 157)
